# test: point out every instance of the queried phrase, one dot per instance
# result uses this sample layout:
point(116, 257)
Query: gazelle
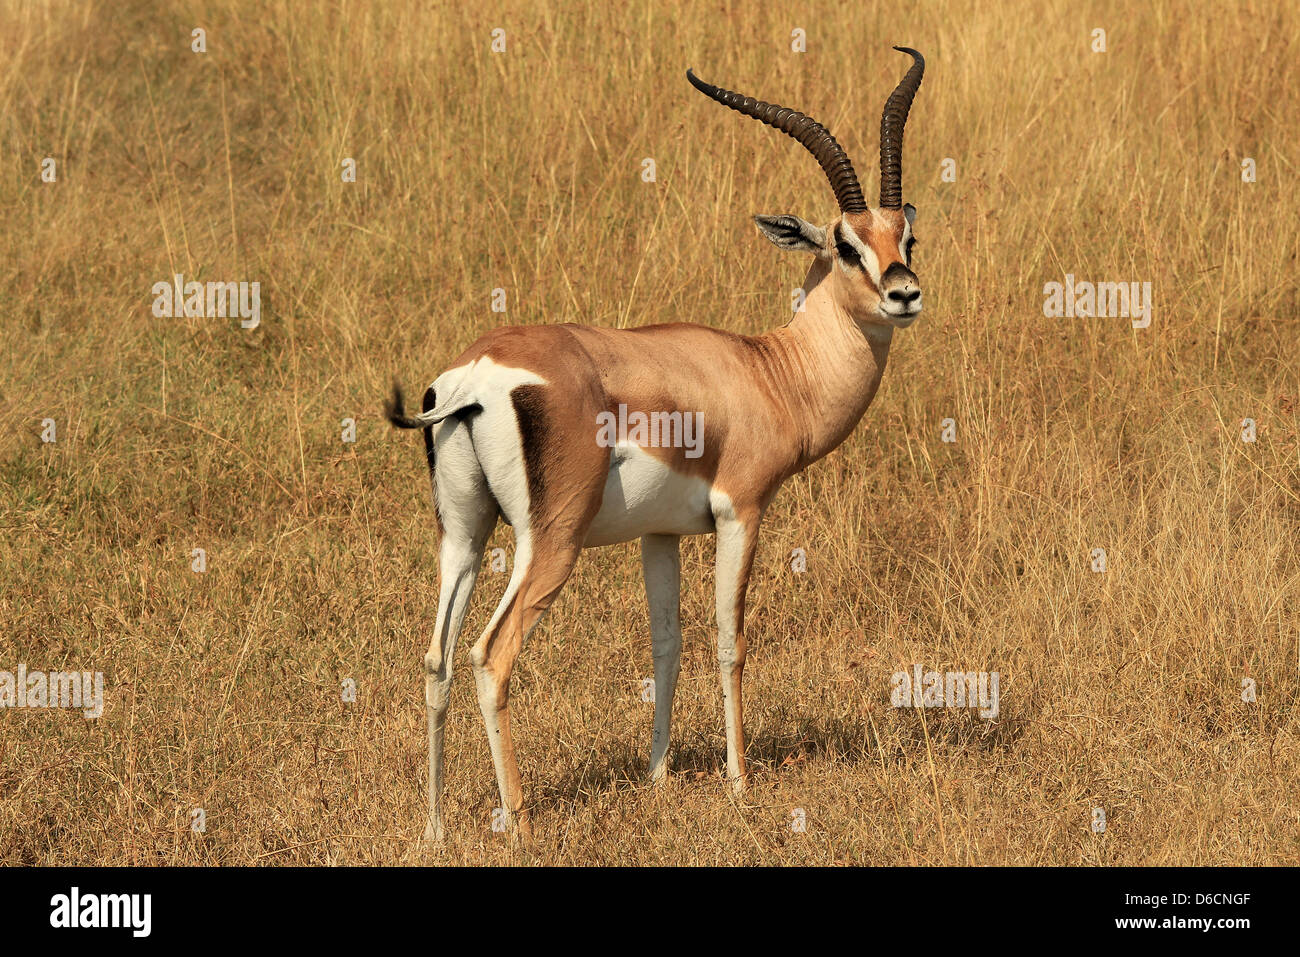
point(513, 430)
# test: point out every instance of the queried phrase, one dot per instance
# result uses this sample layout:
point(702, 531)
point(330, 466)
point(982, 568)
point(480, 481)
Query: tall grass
point(1120, 690)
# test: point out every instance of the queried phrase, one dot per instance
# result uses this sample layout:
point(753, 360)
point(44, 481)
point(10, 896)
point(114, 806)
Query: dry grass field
point(1120, 690)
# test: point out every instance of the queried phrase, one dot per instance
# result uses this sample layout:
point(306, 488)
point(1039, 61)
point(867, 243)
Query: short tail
point(395, 412)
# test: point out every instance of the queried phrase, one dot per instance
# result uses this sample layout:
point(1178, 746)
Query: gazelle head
point(868, 250)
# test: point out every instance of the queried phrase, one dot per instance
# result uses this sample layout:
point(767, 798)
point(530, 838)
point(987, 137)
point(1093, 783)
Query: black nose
point(900, 296)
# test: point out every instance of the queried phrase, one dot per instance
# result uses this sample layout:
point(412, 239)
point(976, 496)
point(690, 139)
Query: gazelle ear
point(909, 212)
point(791, 232)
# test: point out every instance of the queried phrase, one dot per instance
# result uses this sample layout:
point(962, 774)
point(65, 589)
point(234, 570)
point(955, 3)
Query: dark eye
point(848, 254)
point(911, 241)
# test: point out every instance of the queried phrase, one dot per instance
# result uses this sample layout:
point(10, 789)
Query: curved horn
point(892, 121)
point(811, 135)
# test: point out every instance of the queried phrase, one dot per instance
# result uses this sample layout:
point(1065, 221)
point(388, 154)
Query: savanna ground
point(1120, 690)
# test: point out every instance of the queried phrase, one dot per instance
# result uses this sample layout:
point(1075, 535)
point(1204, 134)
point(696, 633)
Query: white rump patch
point(497, 445)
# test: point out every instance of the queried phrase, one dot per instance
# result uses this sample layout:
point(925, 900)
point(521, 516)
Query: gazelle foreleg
point(661, 564)
point(737, 538)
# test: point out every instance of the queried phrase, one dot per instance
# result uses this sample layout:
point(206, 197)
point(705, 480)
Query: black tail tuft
point(395, 411)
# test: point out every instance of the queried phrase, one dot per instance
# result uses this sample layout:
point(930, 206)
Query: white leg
point(661, 563)
point(736, 542)
point(539, 576)
point(468, 513)
point(492, 686)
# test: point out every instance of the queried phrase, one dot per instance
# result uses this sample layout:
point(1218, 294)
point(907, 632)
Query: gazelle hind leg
point(467, 513)
point(661, 564)
point(539, 575)
point(514, 439)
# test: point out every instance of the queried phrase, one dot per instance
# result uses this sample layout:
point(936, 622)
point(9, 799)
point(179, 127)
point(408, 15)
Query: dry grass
point(1120, 690)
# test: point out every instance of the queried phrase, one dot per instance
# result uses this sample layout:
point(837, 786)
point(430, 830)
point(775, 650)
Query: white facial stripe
point(902, 246)
point(865, 253)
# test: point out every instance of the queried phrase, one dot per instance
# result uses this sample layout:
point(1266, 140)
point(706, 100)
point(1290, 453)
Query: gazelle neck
point(831, 365)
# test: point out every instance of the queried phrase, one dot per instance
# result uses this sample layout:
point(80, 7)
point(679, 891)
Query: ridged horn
point(892, 121)
point(811, 135)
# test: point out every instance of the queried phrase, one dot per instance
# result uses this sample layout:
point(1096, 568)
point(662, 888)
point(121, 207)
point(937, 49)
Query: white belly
point(643, 497)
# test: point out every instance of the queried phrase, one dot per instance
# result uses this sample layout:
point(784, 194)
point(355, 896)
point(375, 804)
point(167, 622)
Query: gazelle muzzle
point(900, 293)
